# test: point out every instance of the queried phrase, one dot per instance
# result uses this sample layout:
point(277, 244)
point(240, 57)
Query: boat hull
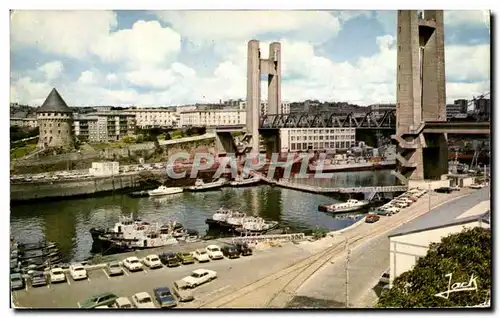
point(328, 209)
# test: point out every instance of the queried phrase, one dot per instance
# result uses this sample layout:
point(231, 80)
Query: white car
point(199, 277)
point(201, 256)
point(214, 252)
point(77, 271)
point(57, 275)
point(152, 261)
point(122, 302)
point(132, 263)
point(143, 300)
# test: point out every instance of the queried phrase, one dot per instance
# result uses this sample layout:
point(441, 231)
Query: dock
point(323, 190)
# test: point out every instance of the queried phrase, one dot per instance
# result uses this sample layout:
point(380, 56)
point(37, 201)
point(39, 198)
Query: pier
point(322, 190)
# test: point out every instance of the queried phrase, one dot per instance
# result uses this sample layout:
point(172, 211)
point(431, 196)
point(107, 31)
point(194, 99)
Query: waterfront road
point(308, 274)
point(367, 262)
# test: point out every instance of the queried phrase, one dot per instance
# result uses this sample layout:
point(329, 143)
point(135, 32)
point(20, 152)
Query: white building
point(285, 107)
point(303, 139)
point(30, 122)
point(154, 117)
point(104, 169)
point(411, 241)
point(104, 126)
point(212, 117)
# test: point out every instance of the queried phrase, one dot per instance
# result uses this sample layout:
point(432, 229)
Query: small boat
point(350, 205)
point(200, 185)
point(372, 218)
point(257, 224)
point(239, 181)
point(163, 190)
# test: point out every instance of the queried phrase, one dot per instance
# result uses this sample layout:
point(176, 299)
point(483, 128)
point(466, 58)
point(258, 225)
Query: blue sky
point(157, 58)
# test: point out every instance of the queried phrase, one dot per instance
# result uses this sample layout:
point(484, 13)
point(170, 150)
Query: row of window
point(321, 145)
point(323, 137)
point(322, 131)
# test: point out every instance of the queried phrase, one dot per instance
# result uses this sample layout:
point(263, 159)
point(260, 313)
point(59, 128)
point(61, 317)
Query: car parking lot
point(232, 275)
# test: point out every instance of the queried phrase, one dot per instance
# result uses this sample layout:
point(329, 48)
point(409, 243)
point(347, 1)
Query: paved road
point(233, 274)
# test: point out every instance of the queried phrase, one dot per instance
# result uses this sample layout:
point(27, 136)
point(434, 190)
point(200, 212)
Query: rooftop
point(54, 104)
point(458, 211)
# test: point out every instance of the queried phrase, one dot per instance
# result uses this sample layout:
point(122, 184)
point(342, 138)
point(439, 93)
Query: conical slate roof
point(54, 103)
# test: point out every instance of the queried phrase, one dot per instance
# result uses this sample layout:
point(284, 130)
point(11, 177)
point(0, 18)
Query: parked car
point(372, 218)
point(170, 259)
point(443, 190)
point(182, 291)
point(16, 281)
point(230, 251)
point(143, 300)
point(476, 186)
point(384, 279)
point(199, 277)
point(152, 261)
point(38, 279)
point(164, 297)
point(114, 269)
point(122, 302)
point(243, 249)
point(77, 271)
point(455, 188)
point(132, 263)
point(201, 256)
point(104, 299)
point(57, 275)
point(185, 257)
point(214, 252)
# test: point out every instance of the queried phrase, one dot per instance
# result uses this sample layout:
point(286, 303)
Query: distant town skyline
point(146, 58)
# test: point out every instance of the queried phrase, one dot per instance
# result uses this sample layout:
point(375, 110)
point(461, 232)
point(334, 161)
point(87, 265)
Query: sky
point(161, 58)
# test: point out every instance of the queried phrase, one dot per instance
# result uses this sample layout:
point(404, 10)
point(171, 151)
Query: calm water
point(67, 222)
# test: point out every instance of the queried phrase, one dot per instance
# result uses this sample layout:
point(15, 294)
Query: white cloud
point(86, 78)
point(67, 33)
point(467, 17)
point(147, 44)
point(216, 26)
point(52, 70)
point(151, 54)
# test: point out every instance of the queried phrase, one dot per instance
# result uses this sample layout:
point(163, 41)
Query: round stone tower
point(55, 121)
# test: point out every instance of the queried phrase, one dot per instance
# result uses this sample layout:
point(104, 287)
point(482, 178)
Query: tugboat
point(129, 234)
point(200, 185)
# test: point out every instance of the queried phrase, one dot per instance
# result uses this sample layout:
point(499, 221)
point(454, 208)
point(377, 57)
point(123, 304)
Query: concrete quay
point(323, 190)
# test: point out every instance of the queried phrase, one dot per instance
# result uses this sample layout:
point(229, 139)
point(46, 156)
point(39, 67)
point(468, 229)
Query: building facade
point(304, 139)
point(30, 122)
point(212, 117)
point(380, 109)
point(284, 108)
point(155, 117)
point(103, 126)
point(55, 120)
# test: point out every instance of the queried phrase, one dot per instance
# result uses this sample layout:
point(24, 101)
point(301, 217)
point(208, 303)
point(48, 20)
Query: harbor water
point(67, 222)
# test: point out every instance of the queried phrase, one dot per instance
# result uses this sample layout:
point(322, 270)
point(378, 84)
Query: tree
point(462, 255)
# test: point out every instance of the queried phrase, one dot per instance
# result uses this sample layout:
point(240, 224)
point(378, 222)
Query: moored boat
point(239, 181)
point(163, 190)
point(200, 185)
point(350, 205)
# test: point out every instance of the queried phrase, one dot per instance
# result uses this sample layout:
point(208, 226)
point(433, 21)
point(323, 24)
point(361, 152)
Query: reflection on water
point(68, 222)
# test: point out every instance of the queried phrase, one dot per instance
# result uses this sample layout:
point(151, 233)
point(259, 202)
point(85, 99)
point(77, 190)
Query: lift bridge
point(371, 120)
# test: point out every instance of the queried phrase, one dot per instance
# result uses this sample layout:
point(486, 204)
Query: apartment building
point(155, 117)
point(285, 108)
point(29, 122)
point(303, 139)
point(212, 117)
point(104, 126)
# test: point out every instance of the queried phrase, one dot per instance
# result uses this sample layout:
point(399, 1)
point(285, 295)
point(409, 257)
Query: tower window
point(59, 132)
point(399, 29)
point(50, 131)
point(399, 87)
point(59, 125)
